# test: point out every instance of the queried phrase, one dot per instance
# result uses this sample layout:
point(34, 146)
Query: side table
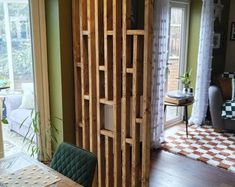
point(185, 105)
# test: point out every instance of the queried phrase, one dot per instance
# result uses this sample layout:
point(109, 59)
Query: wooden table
point(20, 161)
point(185, 105)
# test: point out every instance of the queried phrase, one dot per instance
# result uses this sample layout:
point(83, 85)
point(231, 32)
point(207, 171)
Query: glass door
point(176, 64)
point(17, 75)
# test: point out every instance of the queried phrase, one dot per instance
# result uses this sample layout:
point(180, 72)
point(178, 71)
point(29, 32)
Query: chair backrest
point(75, 163)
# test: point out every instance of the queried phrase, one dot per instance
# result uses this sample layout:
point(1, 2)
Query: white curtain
point(204, 63)
point(160, 57)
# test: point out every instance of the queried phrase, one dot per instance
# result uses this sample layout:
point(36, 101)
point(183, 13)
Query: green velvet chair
point(75, 163)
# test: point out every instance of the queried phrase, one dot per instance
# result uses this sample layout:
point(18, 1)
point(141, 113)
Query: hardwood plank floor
point(170, 170)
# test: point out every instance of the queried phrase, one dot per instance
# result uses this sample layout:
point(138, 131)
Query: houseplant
point(33, 147)
point(186, 81)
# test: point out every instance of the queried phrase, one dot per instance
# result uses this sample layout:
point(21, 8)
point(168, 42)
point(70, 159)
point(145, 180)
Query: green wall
point(60, 60)
point(194, 33)
point(219, 55)
point(218, 63)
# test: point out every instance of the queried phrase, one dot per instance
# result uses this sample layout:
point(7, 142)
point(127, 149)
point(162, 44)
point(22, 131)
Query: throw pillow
point(27, 101)
point(28, 96)
point(225, 85)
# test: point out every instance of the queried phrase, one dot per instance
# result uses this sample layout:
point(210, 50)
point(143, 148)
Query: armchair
point(215, 102)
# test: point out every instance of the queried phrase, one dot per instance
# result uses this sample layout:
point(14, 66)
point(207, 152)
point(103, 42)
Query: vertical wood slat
point(126, 182)
point(77, 72)
point(92, 75)
point(84, 74)
point(135, 128)
point(108, 40)
point(96, 37)
point(109, 162)
point(106, 57)
point(117, 60)
point(148, 22)
point(92, 79)
point(100, 111)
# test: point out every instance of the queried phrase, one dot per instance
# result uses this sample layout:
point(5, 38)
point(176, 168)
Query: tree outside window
point(20, 37)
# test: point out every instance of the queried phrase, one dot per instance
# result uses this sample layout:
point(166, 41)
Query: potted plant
point(186, 81)
point(33, 147)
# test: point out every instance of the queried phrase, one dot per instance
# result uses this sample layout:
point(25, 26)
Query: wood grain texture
point(109, 161)
point(169, 170)
point(135, 128)
point(77, 72)
point(117, 60)
point(126, 150)
point(92, 80)
point(147, 82)
point(92, 75)
point(84, 71)
point(115, 72)
point(99, 30)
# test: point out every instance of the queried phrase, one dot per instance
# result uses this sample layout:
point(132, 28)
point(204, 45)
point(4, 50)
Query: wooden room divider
point(112, 68)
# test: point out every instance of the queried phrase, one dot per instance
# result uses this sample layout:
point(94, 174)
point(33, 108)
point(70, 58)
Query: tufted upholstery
point(75, 163)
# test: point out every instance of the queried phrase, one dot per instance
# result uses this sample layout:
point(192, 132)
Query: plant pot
point(185, 91)
point(188, 91)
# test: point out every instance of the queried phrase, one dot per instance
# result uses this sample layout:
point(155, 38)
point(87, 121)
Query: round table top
point(182, 104)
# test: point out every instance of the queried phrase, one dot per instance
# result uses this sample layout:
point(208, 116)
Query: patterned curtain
point(204, 63)
point(160, 57)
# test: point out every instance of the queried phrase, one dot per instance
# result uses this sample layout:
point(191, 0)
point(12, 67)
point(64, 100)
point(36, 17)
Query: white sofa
point(18, 110)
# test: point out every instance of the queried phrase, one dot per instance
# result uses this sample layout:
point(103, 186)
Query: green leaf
point(4, 121)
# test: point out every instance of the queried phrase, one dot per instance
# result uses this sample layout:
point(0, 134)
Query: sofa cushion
point(21, 116)
point(225, 85)
point(28, 96)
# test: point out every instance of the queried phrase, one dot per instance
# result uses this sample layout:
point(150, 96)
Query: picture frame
point(232, 34)
point(217, 41)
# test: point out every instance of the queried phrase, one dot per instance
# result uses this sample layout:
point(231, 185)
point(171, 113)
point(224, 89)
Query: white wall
point(230, 56)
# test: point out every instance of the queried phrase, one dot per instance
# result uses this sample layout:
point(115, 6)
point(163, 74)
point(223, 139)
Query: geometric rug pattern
point(203, 144)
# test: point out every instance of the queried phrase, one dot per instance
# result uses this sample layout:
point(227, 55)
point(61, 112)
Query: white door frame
point(185, 4)
point(39, 42)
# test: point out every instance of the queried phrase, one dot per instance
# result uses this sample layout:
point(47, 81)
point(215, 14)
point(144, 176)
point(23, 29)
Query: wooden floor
point(170, 170)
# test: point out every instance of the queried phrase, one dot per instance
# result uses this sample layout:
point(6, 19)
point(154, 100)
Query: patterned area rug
point(203, 144)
